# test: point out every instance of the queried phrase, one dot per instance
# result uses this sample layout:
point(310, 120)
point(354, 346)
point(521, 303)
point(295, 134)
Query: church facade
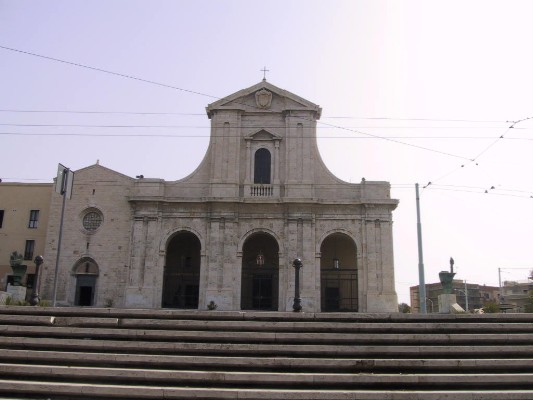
point(227, 234)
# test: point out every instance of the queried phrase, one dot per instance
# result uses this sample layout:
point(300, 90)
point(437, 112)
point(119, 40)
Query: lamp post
point(465, 293)
point(34, 300)
point(297, 305)
point(431, 301)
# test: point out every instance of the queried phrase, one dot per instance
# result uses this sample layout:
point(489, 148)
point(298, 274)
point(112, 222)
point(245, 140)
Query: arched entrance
point(260, 273)
point(338, 273)
point(181, 277)
point(86, 272)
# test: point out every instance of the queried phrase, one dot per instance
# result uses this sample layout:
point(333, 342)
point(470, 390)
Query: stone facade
point(95, 189)
point(227, 234)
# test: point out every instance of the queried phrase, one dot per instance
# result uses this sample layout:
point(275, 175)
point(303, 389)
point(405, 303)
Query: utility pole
point(64, 182)
point(421, 279)
point(500, 284)
point(466, 297)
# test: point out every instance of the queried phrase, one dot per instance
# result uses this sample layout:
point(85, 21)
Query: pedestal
point(18, 293)
point(448, 304)
point(3, 297)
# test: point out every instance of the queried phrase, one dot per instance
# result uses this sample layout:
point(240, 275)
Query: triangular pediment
point(263, 97)
point(100, 170)
point(262, 134)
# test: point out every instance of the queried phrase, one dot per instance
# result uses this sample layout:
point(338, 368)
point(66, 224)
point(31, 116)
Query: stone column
point(137, 266)
point(248, 162)
point(276, 162)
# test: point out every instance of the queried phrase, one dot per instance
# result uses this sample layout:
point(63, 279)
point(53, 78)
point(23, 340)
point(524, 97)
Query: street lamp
point(431, 301)
point(297, 305)
point(34, 300)
point(465, 293)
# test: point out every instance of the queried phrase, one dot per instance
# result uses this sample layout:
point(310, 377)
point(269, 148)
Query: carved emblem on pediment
point(263, 98)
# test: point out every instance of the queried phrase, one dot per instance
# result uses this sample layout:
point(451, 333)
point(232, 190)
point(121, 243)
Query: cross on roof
point(264, 72)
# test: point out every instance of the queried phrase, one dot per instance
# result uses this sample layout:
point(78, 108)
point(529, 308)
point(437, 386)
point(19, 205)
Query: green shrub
point(491, 307)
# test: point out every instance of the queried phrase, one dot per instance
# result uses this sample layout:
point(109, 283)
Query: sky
point(411, 92)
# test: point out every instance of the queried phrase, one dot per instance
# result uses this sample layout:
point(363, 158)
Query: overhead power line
point(108, 72)
point(486, 192)
point(258, 126)
point(474, 160)
point(203, 114)
point(97, 112)
point(170, 135)
point(394, 186)
point(419, 119)
point(215, 97)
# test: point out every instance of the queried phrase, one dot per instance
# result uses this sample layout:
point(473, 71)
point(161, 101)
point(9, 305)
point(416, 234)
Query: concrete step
point(174, 314)
point(60, 391)
point(268, 337)
point(261, 350)
point(266, 363)
point(267, 326)
point(77, 353)
point(294, 380)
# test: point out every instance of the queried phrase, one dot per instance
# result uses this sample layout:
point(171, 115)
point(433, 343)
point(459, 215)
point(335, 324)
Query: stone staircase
point(88, 353)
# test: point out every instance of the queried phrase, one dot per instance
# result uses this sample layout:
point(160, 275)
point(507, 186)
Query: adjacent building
point(477, 295)
point(24, 211)
point(516, 296)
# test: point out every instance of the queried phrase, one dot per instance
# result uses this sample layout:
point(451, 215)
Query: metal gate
point(339, 290)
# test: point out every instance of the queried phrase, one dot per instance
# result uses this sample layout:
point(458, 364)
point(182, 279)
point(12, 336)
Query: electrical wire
point(108, 72)
point(418, 119)
point(515, 193)
point(357, 131)
point(474, 160)
point(483, 192)
point(98, 112)
point(202, 114)
point(257, 127)
point(218, 98)
point(177, 136)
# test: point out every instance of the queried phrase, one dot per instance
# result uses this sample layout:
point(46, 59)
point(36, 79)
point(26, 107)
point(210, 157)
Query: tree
point(529, 303)
point(491, 307)
point(404, 308)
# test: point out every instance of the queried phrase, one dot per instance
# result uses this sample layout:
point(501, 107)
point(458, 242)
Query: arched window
point(262, 166)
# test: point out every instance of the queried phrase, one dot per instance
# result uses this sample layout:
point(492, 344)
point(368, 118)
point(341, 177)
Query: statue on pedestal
point(448, 300)
point(19, 269)
point(446, 279)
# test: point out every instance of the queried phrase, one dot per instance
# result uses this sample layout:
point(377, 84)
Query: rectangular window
point(34, 219)
point(1, 218)
point(28, 250)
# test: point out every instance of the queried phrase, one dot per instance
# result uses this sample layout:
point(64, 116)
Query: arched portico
point(181, 276)
point(338, 273)
point(260, 273)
